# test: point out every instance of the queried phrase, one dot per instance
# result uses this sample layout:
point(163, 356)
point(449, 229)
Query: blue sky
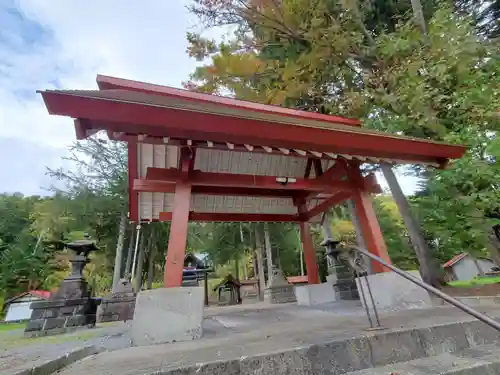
point(48, 44)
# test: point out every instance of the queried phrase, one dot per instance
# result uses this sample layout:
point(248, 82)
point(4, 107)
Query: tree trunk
point(269, 253)
point(151, 260)
point(301, 252)
point(237, 267)
point(493, 245)
point(140, 262)
point(260, 261)
point(428, 267)
point(119, 250)
point(245, 264)
point(131, 246)
point(418, 14)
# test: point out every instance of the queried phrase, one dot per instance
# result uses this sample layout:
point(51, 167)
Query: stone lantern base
point(279, 289)
point(119, 305)
point(69, 309)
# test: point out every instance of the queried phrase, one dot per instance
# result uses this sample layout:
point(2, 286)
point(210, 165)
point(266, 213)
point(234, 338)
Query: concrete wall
point(485, 264)
point(20, 308)
point(466, 268)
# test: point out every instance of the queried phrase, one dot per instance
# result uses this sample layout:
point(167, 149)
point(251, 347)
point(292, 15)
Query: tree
point(353, 58)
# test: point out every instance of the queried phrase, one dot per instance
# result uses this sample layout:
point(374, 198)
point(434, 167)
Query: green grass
point(475, 282)
point(15, 341)
point(6, 327)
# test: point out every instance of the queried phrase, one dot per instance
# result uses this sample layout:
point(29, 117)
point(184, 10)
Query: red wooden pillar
point(370, 228)
point(309, 253)
point(177, 240)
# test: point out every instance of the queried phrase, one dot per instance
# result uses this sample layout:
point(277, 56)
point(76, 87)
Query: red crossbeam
point(155, 186)
point(326, 204)
point(236, 217)
point(198, 178)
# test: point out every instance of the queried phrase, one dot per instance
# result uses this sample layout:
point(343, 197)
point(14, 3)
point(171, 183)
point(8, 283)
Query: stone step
point(481, 360)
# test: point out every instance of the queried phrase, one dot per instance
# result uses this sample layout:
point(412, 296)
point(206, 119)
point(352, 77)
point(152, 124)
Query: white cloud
point(64, 44)
point(69, 43)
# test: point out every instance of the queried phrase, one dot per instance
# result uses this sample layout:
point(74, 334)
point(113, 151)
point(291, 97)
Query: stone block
point(53, 323)
point(315, 294)
point(446, 338)
point(76, 321)
point(168, 315)
point(35, 325)
point(393, 292)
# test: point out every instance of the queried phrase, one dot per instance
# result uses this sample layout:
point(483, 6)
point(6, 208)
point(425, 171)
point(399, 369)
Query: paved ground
point(241, 332)
point(229, 332)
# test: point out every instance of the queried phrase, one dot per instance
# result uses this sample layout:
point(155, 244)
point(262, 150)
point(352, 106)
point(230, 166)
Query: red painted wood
point(198, 178)
point(160, 121)
point(327, 203)
point(235, 217)
point(107, 83)
point(133, 171)
point(178, 236)
point(154, 186)
point(370, 227)
point(309, 253)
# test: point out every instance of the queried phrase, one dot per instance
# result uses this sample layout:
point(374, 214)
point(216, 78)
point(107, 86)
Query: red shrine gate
point(201, 157)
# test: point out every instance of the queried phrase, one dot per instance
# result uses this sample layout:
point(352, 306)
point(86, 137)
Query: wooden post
point(370, 228)
point(131, 244)
point(140, 260)
point(357, 228)
point(309, 253)
point(269, 253)
point(119, 250)
point(177, 240)
point(260, 261)
point(151, 259)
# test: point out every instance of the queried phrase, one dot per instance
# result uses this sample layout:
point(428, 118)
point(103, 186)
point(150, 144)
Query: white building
point(18, 307)
point(465, 267)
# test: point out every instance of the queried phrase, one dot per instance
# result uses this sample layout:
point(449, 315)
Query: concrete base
point(315, 294)
point(393, 292)
point(168, 315)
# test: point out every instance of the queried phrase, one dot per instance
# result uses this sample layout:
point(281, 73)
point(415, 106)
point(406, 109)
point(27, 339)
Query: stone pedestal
point(393, 292)
point(341, 276)
point(279, 290)
point(71, 306)
point(168, 315)
point(315, 294)
point(118, 305)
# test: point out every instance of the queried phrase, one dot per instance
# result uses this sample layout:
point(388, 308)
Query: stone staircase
point(480, 360)
point(461, 348)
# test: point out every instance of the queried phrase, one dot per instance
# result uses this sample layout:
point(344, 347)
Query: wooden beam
point(177, 240)
point(327, 203)
point(198, 178)
point(155, 186)
point(137, 115)
point(235, 217)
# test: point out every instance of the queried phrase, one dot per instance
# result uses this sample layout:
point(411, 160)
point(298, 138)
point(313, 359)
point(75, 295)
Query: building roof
point(43, 294)
point(457, 258)
point(229, 136)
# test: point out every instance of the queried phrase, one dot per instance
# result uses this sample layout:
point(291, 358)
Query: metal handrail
point(453, 301)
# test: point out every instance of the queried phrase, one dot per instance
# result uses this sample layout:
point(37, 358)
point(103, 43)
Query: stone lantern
point(71, 306)
point(340, 273)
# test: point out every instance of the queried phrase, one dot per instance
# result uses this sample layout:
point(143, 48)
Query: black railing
point(357, 264)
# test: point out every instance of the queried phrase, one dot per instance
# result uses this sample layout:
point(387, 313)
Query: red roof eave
point(107, 83)
point(140, 118)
